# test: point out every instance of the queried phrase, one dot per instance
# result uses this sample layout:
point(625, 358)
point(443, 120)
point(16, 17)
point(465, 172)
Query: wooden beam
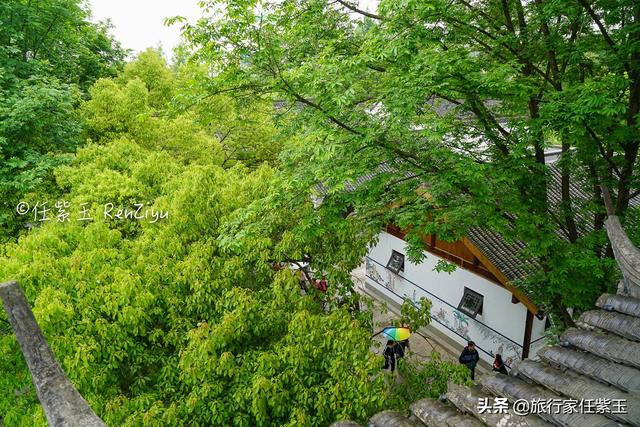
point(62, 403)
point(431, 247)
point(531, 307)
point(526, 342)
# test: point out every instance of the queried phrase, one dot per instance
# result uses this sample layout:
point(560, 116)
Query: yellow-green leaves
point(151, 68)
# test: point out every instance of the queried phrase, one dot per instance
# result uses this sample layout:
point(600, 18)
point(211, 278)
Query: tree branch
point(633, 195)
point(360, 11)
point(219, 92)
point(599, 23)
point(515, 52)
point(376, 68)
point(601, 149)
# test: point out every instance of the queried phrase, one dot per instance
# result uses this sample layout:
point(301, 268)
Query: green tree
point(427, 380)
point(49, 54)
point(243, 125)
point(156, 323)
point(185, 321)
point(152, 69)
point(55, 38)
point(460, 100)
point(37, 124)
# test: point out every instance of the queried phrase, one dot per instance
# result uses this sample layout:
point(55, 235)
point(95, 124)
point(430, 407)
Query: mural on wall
point(505, 347)
point(387, 279)
point(461, 324)
point(444, 314)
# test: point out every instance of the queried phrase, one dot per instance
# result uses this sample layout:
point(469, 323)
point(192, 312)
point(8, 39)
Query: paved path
point(421, 343)
point(421, 346)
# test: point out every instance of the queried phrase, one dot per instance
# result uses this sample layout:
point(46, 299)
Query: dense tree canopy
point(49, 56)
point(295, 131)
point(155, 324)
point(184, 320)
point(461, 99)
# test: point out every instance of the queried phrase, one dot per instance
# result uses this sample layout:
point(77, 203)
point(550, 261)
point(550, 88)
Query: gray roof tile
point(580, 387)
point(626, 378)
point(514, 389)
point(617, 323)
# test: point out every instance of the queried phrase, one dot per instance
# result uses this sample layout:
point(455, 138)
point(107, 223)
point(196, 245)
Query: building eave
point(504, 281)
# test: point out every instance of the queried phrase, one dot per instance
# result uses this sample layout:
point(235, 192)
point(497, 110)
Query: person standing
point(390, 354)
point(469, 357)
point(399, 348)
point(404, 344)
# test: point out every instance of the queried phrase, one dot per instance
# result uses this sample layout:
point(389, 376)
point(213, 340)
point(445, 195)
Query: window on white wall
point(471, 303)
point(396, 262)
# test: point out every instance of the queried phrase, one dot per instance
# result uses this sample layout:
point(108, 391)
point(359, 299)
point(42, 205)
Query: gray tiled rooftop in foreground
point(599, 359)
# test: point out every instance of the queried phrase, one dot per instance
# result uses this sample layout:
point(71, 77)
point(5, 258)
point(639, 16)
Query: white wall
point(498, 312)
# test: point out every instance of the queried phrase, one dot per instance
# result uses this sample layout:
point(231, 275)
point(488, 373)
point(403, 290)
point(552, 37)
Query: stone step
point(467, 400)
point(580, 388)
point(516, 389)
point(620, 376)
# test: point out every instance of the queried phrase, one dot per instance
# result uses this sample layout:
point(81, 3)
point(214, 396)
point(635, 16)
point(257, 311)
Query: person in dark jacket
point(405, 346)
point(499, 366)
point(469, 357)
point(390, 355)
point(399, 348)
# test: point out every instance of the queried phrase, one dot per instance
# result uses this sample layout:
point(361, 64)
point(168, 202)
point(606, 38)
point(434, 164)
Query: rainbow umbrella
point(396, 333)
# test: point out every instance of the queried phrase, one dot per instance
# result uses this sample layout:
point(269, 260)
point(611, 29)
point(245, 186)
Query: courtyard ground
point(421, 343)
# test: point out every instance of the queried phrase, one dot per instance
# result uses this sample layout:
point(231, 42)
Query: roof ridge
point(620, 324)
point(619, 303)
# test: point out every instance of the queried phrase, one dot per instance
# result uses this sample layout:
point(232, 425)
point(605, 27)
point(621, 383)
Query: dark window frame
point(392, 264)
point(472, 296)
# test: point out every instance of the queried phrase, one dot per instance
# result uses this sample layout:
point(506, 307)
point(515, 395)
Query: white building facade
point(465, 305)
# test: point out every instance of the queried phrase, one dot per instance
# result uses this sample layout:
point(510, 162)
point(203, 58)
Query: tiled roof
point(362, 179)
point(505, 253)
point(596, 365)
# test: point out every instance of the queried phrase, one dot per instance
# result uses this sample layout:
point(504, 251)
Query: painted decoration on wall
point(445, 316)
